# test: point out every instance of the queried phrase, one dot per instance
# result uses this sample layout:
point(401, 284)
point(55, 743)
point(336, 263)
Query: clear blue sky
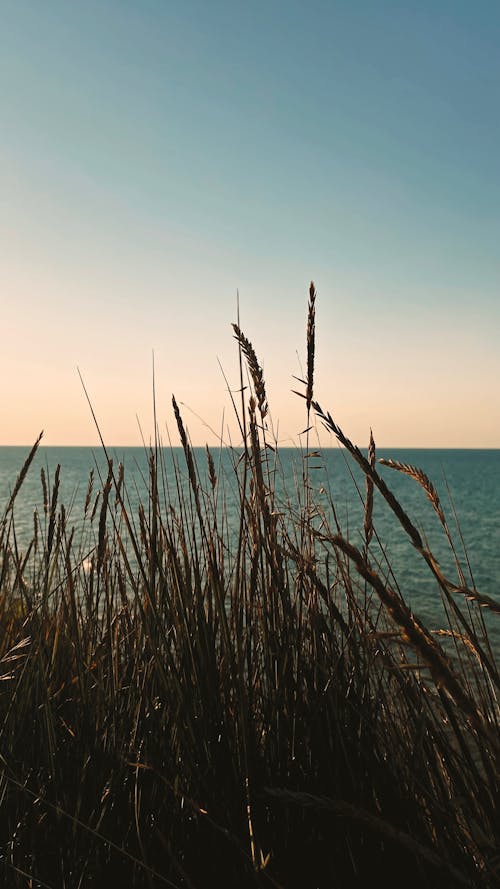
point(157, 156)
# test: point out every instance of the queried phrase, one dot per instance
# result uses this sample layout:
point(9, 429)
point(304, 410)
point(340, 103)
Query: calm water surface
point(468, 482)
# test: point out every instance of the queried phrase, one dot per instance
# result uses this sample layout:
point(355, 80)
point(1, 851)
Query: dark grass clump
point(191, 702)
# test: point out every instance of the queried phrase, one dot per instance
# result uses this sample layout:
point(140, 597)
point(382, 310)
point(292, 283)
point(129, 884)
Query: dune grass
point(191, 702)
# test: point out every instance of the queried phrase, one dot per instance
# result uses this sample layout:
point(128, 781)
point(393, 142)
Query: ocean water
point(468, 483)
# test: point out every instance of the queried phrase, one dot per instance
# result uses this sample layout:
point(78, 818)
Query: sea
point(467, 482)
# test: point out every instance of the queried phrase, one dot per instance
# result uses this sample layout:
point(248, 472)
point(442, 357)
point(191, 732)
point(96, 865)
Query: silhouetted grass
point(192, 704)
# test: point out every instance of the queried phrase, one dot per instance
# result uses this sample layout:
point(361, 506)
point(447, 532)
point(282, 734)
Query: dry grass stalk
point(101, 539)
point(45, 491)
point(461, 637)
point(368, 523)
point(36, 523)
point(94, 507)
point(422, 479)
point(88, 495)
point(187, 449)
point(22, 475)
point(311, 337)
point(53, 509)
point(255, 369)
point(417, 635)
point(372, 473)
point(420, 476)
point(474, 596)
point(212, 475)
point(256, 461)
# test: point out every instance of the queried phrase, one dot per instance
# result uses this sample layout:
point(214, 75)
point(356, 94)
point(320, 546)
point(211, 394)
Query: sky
point(160, 158)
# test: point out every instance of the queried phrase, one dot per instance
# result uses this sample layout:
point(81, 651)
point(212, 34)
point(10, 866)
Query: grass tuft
point(219, 688)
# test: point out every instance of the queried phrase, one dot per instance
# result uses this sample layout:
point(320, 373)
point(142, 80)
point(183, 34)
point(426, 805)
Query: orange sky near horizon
point(157, 159)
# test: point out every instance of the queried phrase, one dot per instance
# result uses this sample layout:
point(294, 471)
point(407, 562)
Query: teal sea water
point(468, 483)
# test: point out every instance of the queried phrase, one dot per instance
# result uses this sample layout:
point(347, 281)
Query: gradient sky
point(158, 156)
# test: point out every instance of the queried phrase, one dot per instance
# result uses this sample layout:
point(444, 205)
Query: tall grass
point(192, 702)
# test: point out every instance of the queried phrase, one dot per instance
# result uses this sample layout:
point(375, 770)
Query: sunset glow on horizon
point(157, 159)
